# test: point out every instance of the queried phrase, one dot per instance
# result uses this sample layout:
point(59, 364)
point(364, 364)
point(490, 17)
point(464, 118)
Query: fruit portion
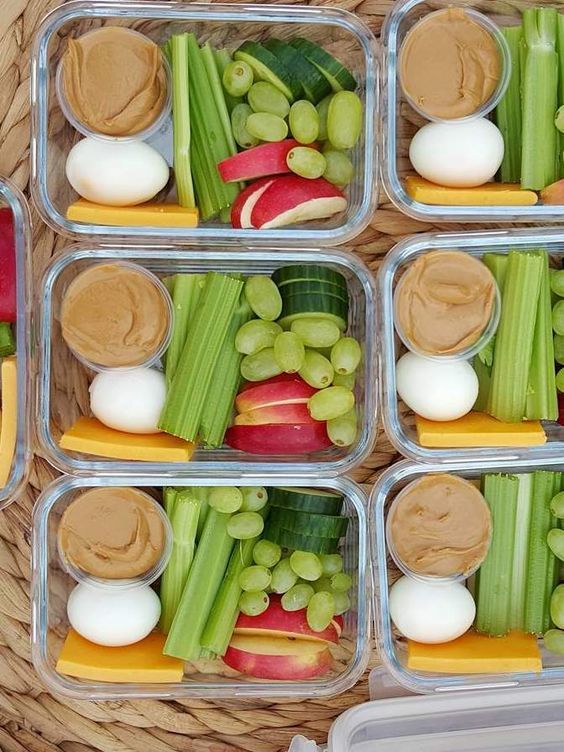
point(279, 414)
point(275, 621)
point(272, 666)
point(245, 202)
point(275, 391)
point(281, 439)
point(260, 161)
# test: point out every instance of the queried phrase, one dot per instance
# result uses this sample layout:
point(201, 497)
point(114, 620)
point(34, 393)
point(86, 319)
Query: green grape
point(348, 380)
point(226, 499)
point(555, 540)
point(342, 603)
point(330, 403)
point(343, 430)
point(304, 121)
point(254, 498)
point(344, 119)
point(245, 525)
point(264, 297)
point(557, 606)
point(322, 110)
point(254, 579)
point(558, 317)
point(306, 162)
point(557, 282)
point(560, 380)
point(297, 597)
point(267, 127)
point(557, 505)
point(345, 355)
point(317, 371)
point(253, 603)
point(320, 611)
point(260, 366)
point(331, 564)
point(239, 118)
point(554, 641)
point(316, 332)
point(341, 582)
point(237, 78)
point(266, 554)
point(289, 352)
point(559, 349)
point(322, 584)
point(339, 169)
point(283, 577)
point(264, 97)
point(306, 565)
point(256, 335)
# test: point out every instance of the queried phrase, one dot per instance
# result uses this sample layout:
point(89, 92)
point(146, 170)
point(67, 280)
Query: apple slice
point(275, 391)
point(338, 622)
point(258, 162)
point(296, 412)
point(245, 202)
point(277, 622)
point(300, 664)
point(292, 199)
point(300, 438)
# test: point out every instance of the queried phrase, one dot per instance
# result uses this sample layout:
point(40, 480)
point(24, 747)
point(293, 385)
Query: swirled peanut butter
point(112, 533)
point(114, 315)
point(441, 526)
point(444, 302)
point(449, 64)
point(114, 80)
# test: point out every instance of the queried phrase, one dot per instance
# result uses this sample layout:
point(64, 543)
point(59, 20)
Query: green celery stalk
point(497, 264)
point(508, 111)
point(494, 583)
point(521, 553)
point(203, 582)
point(542, 562)
point(218, 94)
point(184, 521)
point(185, 298)
point(169, 500)
point(514, 338)
point(540, 99)
point(542, 398)
point(223, 389)
point(206, 201)
point(560, 50)
point(186, 397)
point(181, 120)
point(222, 60)
point(201, 493)
point(484, 374)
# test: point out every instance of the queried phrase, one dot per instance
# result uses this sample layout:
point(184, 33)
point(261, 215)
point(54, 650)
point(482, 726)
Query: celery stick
point(542, 562)
point(181, 120)
point(514, 338)
point(184, 521)
point(521, 553)
point(186, 398)
point(201, 493)
point(218, 94)
point(169, 500)
point(508, 111)
point(484, 374)
point(542, 398)
point(497, 264)
point(222, 60)
point(560, 50)
point(185, 299)
point(540, 99)
point(204, 580)
point(494, 583)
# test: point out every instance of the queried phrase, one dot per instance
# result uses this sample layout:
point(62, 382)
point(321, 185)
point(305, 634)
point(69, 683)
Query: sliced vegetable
point(508, 115)
point(181, 120)
point(314, 84)
point(335, 72)
point(267, 67)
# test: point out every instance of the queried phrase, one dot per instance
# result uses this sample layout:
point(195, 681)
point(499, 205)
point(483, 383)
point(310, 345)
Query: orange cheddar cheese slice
point(478, 430)
point(9, 428)
point(489, 194)
point(152, 214)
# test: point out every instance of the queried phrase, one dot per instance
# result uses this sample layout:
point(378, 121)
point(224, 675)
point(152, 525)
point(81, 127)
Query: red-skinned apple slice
point(303, 665)
point(258, 162)
point(277, 622)
point(291, 198)
point(245, 202)
point(283, 439)
point(296, 412)
point(275, 391)
point(338, 622)
point(273, 380)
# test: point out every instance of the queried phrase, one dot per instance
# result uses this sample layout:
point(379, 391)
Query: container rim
point(106, 691)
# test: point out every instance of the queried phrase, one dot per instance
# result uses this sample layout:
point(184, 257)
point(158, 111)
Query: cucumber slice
point(300, 542)
point(304, 273)
point(314, 303)
point(315, 525)
point(335, 72)
point(286, 321)
point(314, 83)
point(313, 287)
point(306, 500)
point(267, 67)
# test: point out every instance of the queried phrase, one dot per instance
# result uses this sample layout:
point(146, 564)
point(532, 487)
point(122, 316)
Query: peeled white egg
point(431, 613)
point(113, 617)
point(130, 401)
point(435, 390)
point(116, 173)
point(457, 155)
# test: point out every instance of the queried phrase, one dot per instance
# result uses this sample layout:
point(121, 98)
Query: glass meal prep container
point(398, 421)
point(230, 25)
point(63, 381)
point(392, 650)
point(51, 586)
point(400, 122)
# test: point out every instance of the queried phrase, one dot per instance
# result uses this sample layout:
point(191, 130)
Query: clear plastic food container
point(15, 402)
point(52, 137)
point(398, 421)
point(51, 586)
point(63, 381)
point(399, 122)
point(392, 649)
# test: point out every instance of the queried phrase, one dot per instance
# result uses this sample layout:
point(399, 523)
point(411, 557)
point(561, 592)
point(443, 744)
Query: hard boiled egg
point(130, 401)
point(113, 617)
point(457, 155)
point(435, 390)
point(431, 612)
point(116, 173)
